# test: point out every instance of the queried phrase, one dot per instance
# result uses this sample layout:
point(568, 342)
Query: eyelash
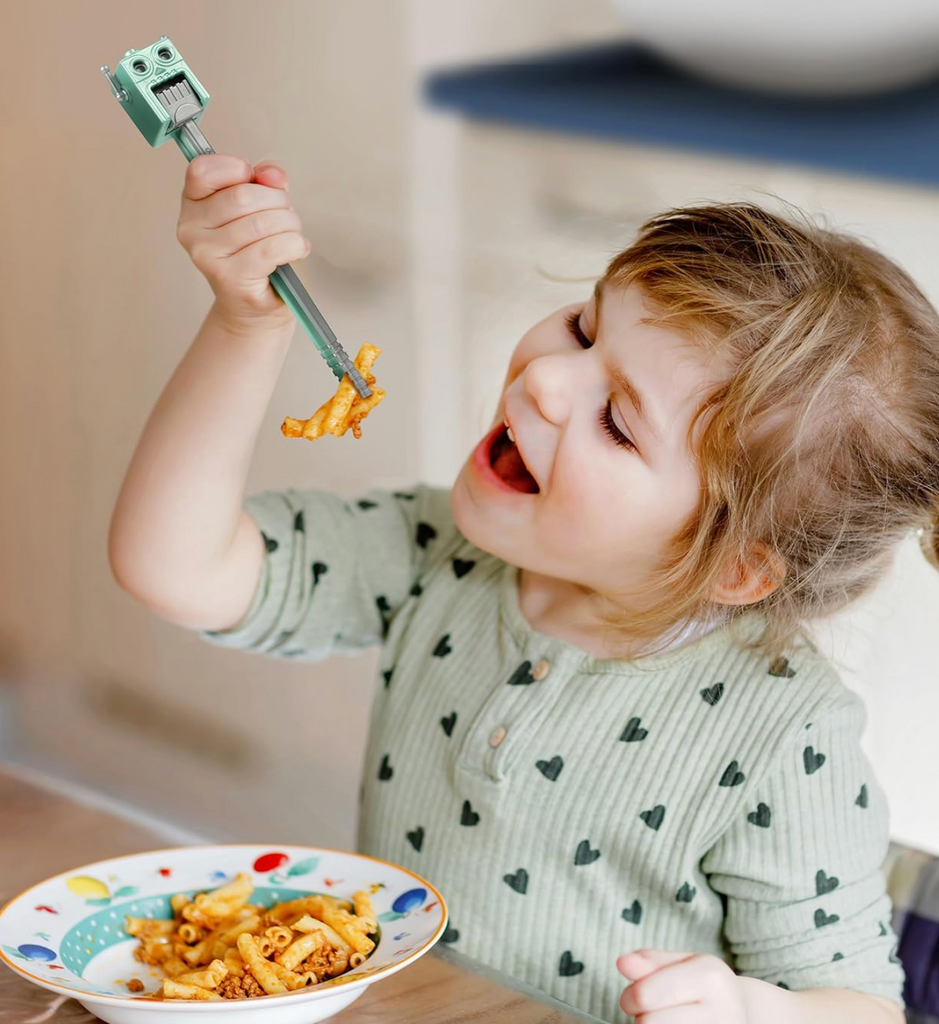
point(573, 325)
point(607, 423)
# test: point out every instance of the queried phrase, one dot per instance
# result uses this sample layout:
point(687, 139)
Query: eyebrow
point(620, 379)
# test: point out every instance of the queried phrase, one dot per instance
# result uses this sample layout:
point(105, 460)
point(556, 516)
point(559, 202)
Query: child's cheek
point(520, 359)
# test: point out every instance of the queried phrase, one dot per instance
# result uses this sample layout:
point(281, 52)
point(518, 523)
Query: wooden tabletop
point(46, 832)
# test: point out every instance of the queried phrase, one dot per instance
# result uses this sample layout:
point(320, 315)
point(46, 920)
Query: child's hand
point(680, 988)
point(237, 225)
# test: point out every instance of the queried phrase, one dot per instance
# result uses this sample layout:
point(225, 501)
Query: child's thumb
point(271, 174)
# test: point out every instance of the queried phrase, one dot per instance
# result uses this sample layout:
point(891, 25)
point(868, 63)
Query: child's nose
point(550, 380)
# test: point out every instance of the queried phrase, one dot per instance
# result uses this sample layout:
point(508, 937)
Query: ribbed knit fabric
point(571, 809)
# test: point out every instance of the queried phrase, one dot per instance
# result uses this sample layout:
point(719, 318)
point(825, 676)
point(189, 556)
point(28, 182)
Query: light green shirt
point(571, 809)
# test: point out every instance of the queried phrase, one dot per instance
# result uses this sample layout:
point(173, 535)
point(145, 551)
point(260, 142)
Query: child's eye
point(612, 431)
point(573, 325)
point(607, 422)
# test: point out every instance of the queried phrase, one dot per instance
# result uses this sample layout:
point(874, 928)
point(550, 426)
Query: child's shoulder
point(448, 542)
point(429, 516)
point(789, 690)
point(428, 509)
point(433, 502)
point(419, 504)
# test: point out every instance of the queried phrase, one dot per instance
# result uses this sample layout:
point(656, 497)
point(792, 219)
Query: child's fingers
point(237, 201)
point(258, 261)
point(238, 226)
point(213, 171)
point(245, 231)
point(269, 173)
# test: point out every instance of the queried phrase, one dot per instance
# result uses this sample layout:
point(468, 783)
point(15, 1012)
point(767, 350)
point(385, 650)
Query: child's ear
point(747, 582)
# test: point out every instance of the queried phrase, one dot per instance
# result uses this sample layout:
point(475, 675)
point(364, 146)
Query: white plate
point(66, 934)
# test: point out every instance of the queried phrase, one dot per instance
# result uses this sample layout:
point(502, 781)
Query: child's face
point(609, 488)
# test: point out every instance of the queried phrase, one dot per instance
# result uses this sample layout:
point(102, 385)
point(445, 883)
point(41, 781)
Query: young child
point(599, 726)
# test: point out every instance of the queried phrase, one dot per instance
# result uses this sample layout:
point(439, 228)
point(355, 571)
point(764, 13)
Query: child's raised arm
point(180, 541)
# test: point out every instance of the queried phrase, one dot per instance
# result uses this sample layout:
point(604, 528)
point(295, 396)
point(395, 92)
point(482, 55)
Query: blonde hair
point(819, 450)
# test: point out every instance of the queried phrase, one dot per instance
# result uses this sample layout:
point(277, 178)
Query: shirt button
point(497, 736)
point(540, 669)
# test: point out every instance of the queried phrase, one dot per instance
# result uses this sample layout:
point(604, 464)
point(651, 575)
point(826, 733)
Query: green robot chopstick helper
point(165, 101)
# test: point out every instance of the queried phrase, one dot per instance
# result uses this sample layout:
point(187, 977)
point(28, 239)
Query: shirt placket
point(504, 720)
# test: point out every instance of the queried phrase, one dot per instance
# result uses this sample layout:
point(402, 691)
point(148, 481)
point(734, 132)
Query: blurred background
point(463, 167)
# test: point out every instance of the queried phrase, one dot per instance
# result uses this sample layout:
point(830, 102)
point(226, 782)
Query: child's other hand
point(680, 988)
point(237, 225)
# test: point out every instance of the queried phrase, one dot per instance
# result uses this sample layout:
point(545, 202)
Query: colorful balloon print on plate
point(95, 892)
point(30, 951)
point(274, 861)
point(79, 917)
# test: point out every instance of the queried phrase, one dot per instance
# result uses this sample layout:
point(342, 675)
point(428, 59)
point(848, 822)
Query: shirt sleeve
point(335, 571)
point(800, 873)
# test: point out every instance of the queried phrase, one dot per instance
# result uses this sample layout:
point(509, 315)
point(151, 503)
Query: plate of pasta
point(243, 933)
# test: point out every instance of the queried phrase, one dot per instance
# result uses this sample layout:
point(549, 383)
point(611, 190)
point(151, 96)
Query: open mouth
point(507, 464)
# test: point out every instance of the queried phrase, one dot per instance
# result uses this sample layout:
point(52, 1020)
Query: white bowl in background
point(795, 47)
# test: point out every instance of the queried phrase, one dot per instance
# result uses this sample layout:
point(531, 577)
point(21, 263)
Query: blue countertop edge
point(622, 92)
